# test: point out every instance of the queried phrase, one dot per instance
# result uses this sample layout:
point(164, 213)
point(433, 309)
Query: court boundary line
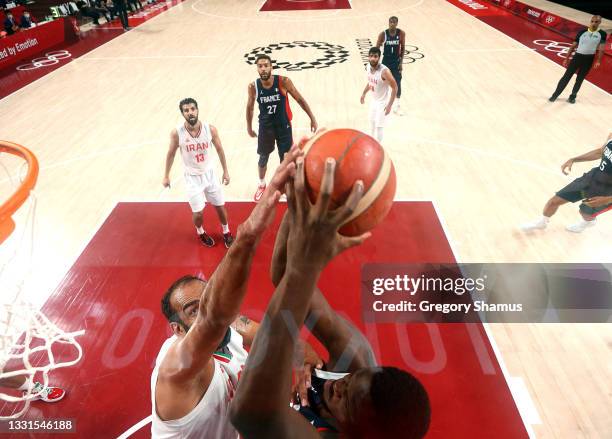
point(492, 342)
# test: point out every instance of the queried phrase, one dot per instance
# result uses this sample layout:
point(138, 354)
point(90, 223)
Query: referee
point(587, 42)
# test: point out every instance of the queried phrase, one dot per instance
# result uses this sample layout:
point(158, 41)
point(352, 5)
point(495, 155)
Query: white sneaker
point(397, 110)
point(580, 226)
point(536, 225)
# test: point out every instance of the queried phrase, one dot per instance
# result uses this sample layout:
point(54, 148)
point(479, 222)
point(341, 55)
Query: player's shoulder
point(603, 35)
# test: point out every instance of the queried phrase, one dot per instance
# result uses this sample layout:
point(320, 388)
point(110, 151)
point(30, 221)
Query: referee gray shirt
point(589, 41)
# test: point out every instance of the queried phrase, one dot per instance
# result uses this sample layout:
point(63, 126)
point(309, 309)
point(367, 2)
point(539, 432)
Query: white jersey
point(210, 418)
point(195, 150)
point(380, 89)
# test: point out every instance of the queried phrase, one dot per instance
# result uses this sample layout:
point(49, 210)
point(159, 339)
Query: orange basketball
point(358, 157)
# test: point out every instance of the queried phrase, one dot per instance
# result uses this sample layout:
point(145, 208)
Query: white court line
point(523, 405)
point(147, 57)
point(491, 154)
point(303, 20)
point(518, 49)
point(134, 428)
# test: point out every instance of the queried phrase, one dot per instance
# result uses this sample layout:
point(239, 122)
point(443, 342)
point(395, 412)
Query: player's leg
point(265, 146)
point(397, 75)
point(589, 214)
point(214, 195)
point(571, 69)
point(583, 69)
point(569, 194)
point(195, 192)
point(378, 118)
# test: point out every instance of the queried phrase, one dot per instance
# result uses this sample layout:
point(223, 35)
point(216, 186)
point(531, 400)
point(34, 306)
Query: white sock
point(544, 219)
point(262, 182)
point(200, 230)
point(225, 228)
point(379, 134)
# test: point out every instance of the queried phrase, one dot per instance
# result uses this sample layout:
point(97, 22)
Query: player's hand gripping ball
point(358, 157)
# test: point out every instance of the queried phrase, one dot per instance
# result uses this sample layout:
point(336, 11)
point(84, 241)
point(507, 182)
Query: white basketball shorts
point(202, 188)
point(377, 113)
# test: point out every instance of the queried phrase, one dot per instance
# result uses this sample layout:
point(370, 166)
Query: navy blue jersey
point(273, 103)
point(391, 48)
point(606, 159)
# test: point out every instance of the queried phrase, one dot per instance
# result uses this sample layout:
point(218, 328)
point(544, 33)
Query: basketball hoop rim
point(21, 194)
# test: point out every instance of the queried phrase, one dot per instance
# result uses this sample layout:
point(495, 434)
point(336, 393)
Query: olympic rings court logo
point(50, 59)
point(331, 54)
point(561, 49)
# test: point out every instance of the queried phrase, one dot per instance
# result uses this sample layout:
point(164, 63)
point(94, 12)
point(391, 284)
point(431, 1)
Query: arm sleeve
point(578, 35)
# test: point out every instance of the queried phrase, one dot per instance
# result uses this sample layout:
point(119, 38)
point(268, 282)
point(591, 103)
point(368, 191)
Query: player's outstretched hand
point(362, 100)
point(166, 182)
point(226, 178)
point(566, 167)
point(264, 211)
point(251, 132)
point(313, 236)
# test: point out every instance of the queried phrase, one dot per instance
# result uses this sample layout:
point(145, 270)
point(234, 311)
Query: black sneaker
point(553, 98)
point(206, 240)
point(228, 239)
point(571, 99)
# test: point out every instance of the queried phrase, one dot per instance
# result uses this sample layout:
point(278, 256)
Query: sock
point(262, 182)
point(379, 134)
point(225, 228)
point(545, 219)
point(200, 230)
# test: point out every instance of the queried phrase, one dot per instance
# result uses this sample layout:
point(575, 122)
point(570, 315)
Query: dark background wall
point(599, 7)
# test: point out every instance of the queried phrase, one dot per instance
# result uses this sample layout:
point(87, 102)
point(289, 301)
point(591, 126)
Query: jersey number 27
point(271, 109)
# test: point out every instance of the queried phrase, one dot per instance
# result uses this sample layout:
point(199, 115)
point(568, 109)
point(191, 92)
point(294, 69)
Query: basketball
point(358, 157)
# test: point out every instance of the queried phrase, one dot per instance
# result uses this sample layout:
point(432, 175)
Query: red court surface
point(113, 291)
point(542, 40)
point(301, 5)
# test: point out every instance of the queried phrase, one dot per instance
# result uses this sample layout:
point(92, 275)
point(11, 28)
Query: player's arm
point(380, 40)
point(250, 108)
point(586, 157)
point(600, 50)
point(365, 92)
point(216, 140)
point(220, 303)
point(174, 144)
point(571, 50)
point(402, 49)
point(287, 84)
point(387, 76)
point(348, 349)
point(260, 407)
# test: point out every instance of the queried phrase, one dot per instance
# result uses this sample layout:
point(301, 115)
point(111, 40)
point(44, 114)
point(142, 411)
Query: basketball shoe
point(260, 190)
point(47, 394)
point(228, 239)
point(206, 240)
point(581, 226)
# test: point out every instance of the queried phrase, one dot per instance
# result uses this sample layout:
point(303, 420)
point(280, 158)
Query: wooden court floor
point(478, 137)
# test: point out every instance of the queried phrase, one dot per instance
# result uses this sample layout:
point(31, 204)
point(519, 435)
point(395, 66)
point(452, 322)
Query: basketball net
point(27, 336)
